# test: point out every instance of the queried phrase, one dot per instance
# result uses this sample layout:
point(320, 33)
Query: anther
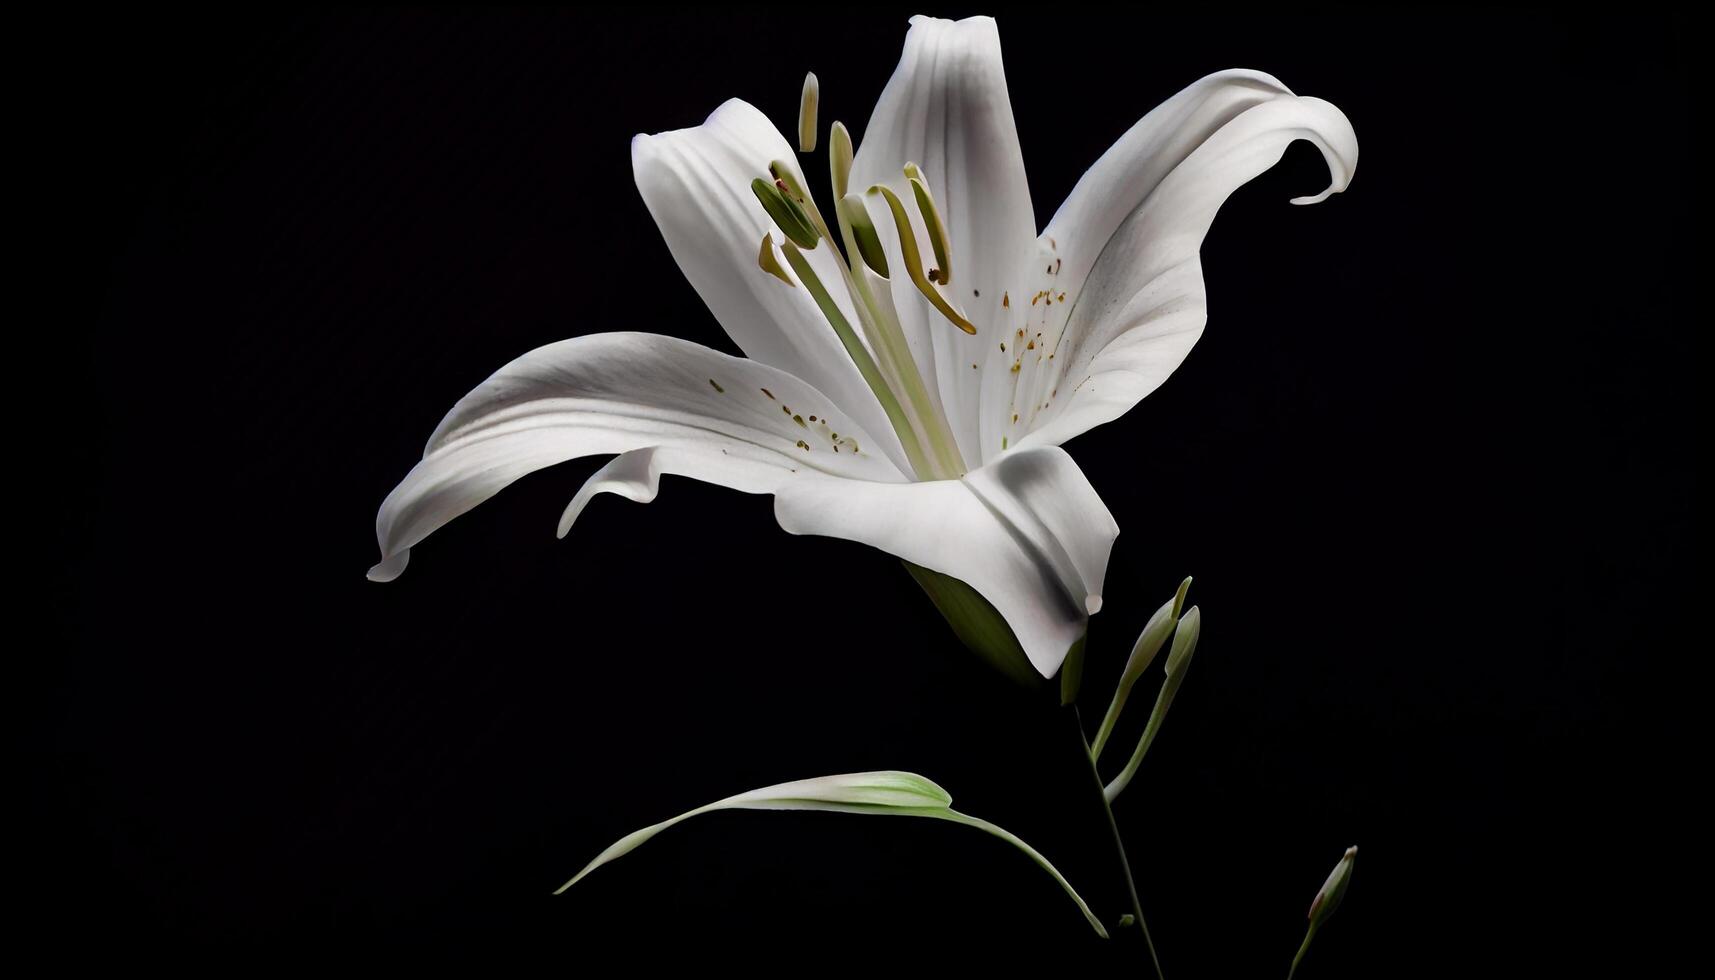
point(807, 114)
point(943, 271)
point(786, 212)
point(771, 265)
point(840, 155)
point(914, 260)
point(864, 233)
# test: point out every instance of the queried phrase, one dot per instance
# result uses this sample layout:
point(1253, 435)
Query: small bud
point(1334, 889)
point(1184, 642)
point(1150, 642)
point(840, 154)
point(1178, 660)
point(787, 213)
point(863, 233)
point(1325, 902)
point(1126, 920)
point(807, 114)
point(770, 263)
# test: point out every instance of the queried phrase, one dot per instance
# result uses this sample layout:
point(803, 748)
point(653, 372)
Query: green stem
point(1119, 844)
point(1308, 935)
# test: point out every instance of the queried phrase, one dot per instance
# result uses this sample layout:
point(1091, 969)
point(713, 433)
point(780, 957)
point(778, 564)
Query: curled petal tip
point(1319, 198)
point(569, 516)
point(1092, 604)
point(389, 569)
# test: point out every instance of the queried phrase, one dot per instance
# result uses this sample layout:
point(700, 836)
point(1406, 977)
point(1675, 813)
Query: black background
point(1430, 464)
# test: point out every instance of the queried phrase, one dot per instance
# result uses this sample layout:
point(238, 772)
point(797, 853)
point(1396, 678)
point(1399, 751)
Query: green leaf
point(978, 625)
point(885, 793)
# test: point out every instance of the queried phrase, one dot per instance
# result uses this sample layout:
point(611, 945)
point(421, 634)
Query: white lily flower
point(912, 394)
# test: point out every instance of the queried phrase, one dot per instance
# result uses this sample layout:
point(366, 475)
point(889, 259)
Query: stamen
point(914, 260)
point(786, 212)
point(862, 359)
point(933, 224)
point(807, 114)
point(882, 356)
point(864, 234)
point(770, 264)
point(840, 155)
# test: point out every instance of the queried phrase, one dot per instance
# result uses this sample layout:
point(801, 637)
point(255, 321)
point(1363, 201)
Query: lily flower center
point(876, 344)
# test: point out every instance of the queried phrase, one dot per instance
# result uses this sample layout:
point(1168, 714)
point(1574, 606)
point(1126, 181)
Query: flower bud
point(1334, 889)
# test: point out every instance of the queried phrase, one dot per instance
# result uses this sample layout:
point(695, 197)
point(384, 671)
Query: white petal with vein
point(718, 418)
point(946, 109)
point(1137, 280)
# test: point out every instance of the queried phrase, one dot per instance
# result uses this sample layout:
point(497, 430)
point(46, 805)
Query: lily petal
point(696, 183)
point(705, 414)
point(1027, 531)
point(1128, 236)
point(946, 109)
